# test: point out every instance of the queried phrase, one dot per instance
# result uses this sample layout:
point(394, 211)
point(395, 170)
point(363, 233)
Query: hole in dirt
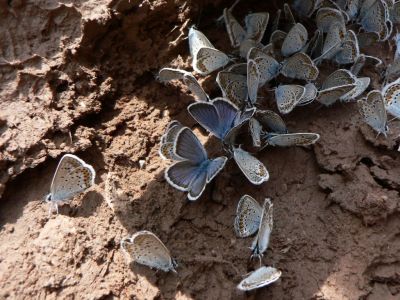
point(62, 86)
point(367, 161)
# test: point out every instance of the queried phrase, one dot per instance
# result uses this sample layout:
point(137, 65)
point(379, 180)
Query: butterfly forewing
point(248, 214)
point(207, 60)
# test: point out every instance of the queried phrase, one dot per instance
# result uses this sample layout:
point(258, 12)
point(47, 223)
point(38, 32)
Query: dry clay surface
point(78, 77)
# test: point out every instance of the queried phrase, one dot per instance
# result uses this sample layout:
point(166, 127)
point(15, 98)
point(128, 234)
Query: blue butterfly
point(220, 117)
point(194, 170)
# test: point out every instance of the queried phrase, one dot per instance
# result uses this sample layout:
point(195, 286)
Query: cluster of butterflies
point(145, 248)
point(290, 55)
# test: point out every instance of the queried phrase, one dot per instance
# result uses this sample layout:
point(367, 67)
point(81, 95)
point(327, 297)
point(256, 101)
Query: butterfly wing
point(207, 60)
point(181, 174)
point(293, 139)
point(271, 120)
point(194, 86)
point(233, 86)
point(287, 97)
point(391, 95)
point(147, 249)
point(255, 25)
point(331, 95)
point(72, 176)
point(333, 40)
point(253, 77)
point(361, 84)
point(295, 40)
point(197, 40)
point(197, 186)
point(255, 131)
point(268, 66)
point(338, 78)
point(261, 277)
point(168, 74)
point(215, 166)
point(252, 168)
point(235, 31)
point(309, 95)
point(187, 146)
point(300, 66)
point(216, 116)
point(248, 215)
point(373, 111)
point(305, 8)
point(261, 241)
point(327, 16)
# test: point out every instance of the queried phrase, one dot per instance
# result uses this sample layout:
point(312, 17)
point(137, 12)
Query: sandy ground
point(78, 77)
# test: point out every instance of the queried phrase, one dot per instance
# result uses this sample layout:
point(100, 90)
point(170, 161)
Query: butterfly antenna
point(391, 120)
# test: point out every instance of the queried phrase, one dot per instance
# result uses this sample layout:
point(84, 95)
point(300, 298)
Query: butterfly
point(194, 170)
point(206, 58)
point(292, 139)
point(330, 95)
point(72, 177)
point(349, 49)
point(261, 241)
point(394, 13)
point(255, 131)
point(167, 142)
point(374, 17)
point(248, 216)
point(252, 168)
point(233, 86)
point(261, 277)
point(145, 248)
point(305, 8)
point(256, 24)
point(333, 41)
point(327, 16)
point(295, 40)
point(300, 66)
point(391, 95)
point(309, 96)
point(220, 117)
point(288, 96)
point(168, 74)
point(342, 77)
point(372, 108)
point(268, 66)
point(253, 80)
point(361, 60)
point(265, 120)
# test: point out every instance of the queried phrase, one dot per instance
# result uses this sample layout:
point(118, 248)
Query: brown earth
point(78, 77)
